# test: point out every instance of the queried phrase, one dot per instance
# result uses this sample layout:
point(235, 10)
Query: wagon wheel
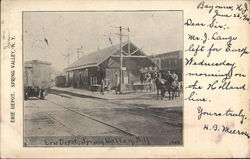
point(42, 94)
point(26, 95)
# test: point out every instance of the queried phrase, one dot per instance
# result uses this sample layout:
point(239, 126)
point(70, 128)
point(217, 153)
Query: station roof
point(37, 62)
point(177, 52)
point(96, 58)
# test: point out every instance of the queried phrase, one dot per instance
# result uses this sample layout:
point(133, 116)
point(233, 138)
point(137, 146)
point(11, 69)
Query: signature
point(225, 129)
point(229, 112)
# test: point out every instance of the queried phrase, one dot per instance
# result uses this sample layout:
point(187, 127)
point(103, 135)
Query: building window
point(93, 80)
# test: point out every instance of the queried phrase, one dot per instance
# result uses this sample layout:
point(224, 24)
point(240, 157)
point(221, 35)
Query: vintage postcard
point(125, 79)
point(91, 83)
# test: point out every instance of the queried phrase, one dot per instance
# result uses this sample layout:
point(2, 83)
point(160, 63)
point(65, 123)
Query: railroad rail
point(166, 119)
point(92, 118)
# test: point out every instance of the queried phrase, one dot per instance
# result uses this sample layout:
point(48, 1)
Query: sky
point(49, 36)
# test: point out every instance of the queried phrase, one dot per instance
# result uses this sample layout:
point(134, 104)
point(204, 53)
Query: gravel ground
point(123, 120)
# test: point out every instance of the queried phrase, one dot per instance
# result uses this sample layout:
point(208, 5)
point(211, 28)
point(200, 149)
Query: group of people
point(148, 77)
point(169, 84)
point(155, 80)
point(163, 81)
point(171, 78)
point(168, 76)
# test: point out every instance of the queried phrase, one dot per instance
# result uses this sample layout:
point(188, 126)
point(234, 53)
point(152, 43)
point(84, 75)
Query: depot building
point(104, 64)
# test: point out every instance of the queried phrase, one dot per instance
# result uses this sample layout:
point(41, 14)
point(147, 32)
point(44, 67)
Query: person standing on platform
point(117, 83)
point(148, 77)
point(175, 83)
point(168, 84)
point(102, 86)
point(175, 76)
point(141, 78)
point(154, 77)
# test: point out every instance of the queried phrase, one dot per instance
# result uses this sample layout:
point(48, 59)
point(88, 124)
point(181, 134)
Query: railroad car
point(37, 79)
point(60, 81)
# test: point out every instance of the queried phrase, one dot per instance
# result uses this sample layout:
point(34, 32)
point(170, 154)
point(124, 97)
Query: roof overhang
point(81, 67)
point(127, 56)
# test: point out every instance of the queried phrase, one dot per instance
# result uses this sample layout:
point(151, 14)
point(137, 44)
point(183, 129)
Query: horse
point(173, 89)
point(159, 83)
point(167, 86)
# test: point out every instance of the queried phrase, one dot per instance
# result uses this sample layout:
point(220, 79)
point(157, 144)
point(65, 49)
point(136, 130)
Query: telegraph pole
point(68, 57)
point(121, 52)
point(128, 43)
point(121, 60)
point(78, 52)
point(68, 65)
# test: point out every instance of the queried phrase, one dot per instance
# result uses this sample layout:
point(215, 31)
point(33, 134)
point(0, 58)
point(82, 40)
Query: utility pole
point(121, 54)
point(128, 43)
point(67, 56)
point(68, 65)
point(121, 60)
point(78, 52)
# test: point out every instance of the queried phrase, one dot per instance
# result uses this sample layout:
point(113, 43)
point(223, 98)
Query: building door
point(125, 77)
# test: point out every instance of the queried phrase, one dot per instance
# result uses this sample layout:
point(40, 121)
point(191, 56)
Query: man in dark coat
point(169, 78)
point(142, 78)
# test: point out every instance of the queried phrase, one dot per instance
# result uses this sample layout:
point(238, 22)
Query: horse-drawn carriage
point(162, 81)
point(168, 82)
point(37, 79)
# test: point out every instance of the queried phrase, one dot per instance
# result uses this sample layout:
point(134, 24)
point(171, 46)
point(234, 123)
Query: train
point(37, 79)
point(60, 81)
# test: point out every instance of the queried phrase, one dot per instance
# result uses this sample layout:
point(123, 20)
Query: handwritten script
point(214, 52)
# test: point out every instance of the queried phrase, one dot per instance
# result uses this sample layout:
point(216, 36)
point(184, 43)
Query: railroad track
point(156, 113)
point(89, 117)
point(53, 118)
point(167, 120)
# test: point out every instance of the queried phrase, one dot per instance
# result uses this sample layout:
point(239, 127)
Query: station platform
point(145, 99)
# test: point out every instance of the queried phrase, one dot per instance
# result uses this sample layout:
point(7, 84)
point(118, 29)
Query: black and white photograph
point(102, 78)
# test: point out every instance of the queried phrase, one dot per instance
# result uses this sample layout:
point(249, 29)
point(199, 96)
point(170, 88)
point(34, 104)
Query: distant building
point(170, 61)
point(90, 69)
